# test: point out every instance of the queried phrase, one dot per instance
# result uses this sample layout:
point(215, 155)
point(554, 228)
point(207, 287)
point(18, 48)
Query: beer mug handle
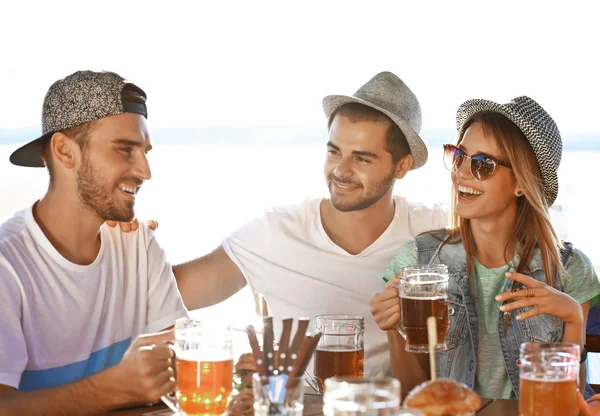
point(170, 399)
point(398, 326)
point(314, 382)
point(401, 331)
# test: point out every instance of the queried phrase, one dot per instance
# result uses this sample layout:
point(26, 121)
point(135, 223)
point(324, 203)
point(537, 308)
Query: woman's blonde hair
point(532, 228)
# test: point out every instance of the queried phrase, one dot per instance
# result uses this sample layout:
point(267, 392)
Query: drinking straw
point(432, 337)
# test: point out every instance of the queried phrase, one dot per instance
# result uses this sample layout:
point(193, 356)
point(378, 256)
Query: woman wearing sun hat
point(500, 246)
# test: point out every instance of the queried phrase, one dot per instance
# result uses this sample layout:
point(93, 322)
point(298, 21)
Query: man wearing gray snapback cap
point(76, 296)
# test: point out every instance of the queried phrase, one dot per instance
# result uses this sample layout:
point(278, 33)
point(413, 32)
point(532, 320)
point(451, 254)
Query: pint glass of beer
point(204, 367)
point(341, 350)
point(549, 379)
point(423, 292)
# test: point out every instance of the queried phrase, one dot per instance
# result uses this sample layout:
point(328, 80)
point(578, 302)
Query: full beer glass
point(204, 367)
point(341, 350)
point(549, 379)
point(423, 292)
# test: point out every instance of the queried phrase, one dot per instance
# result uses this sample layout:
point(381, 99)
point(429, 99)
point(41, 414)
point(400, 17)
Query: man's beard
point(99, 198)
point(377, 192)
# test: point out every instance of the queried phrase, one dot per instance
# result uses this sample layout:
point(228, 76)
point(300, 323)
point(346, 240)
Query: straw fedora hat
point(538, 127)
point(387, 93)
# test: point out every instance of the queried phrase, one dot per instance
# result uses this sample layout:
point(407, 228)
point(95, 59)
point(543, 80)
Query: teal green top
point(491, 380)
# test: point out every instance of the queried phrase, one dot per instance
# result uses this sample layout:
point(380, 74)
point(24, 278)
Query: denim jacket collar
point(459, 259)
point(535, 264)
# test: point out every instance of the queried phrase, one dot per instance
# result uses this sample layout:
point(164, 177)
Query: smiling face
point(113, 166)
point(488, 199)
point(358, 169)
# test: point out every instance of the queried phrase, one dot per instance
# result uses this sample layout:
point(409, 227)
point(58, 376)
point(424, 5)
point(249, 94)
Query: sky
point(255, 63)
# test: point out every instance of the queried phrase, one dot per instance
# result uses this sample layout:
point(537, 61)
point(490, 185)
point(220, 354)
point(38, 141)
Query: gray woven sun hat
point(387, 93)
point(79, 98)
point(538, 127)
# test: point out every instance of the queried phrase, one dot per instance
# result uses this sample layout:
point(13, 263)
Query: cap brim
point(418, 149)
point(30, 154)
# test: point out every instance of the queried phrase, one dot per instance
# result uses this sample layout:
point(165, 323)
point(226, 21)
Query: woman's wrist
point(573, 333)
point(576, 317)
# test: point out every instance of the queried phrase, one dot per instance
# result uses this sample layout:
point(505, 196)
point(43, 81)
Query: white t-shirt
point(62, 321)
point(288, 257)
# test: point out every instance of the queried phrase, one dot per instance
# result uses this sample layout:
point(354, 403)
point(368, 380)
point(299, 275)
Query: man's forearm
point(208, 280)
point(95, 394)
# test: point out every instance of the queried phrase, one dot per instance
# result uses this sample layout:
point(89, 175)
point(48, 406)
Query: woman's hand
point(385, 306)
point(544, 298)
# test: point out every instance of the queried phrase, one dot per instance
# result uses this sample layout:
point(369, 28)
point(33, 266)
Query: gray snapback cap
point(79, 98)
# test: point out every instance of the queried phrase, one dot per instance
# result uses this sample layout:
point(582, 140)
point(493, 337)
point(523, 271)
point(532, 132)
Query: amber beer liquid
point(203, 386)
point(414, 311)
point(339, 361)
point(341, 349)
point(539, 397)
point(548, 379)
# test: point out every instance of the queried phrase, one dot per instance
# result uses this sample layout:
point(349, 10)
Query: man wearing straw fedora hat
point(326, 255)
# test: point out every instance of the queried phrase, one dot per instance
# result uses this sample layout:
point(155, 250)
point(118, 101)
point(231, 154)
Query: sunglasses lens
point(453, 158)
point(482, 167)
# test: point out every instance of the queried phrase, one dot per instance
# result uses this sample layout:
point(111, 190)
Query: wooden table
point(500, 407)
point(313, 406)
point(138, 411)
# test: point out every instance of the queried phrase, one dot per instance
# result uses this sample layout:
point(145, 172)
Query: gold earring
point(519, 193)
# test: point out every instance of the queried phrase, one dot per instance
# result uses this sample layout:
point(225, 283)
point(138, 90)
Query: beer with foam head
point(341, 350)
point(204, 367)
point(548, 379)
point(423, 293)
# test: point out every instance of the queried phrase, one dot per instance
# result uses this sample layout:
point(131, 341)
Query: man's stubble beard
point(379, 191)
point(97, 197)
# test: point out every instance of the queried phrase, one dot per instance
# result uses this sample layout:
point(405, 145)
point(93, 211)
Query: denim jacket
point(459, 361)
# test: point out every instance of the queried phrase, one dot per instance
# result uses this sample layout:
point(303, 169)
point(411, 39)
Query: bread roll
point(443, 397)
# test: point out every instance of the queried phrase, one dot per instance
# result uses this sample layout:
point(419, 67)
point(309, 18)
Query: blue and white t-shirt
point(61, 321)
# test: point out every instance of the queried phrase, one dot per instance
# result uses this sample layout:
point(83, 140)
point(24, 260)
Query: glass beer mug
point(341, 350)
point(204, 367)
point(423, 292)
point(548, 379)
point(360, 396)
